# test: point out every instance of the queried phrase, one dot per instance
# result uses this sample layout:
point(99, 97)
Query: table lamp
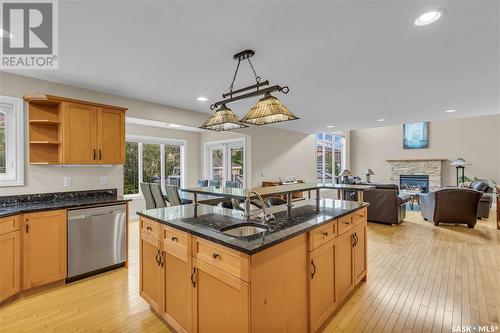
point(345, 176)
point(460, 164)
point(368, 173)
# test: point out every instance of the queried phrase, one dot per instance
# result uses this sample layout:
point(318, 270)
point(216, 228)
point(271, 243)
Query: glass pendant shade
point(268, 110)
point(223, 119)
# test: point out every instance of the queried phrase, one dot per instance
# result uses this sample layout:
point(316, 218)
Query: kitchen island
point(200, 275)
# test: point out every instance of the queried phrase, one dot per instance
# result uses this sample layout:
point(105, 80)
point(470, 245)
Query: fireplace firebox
point(419, 183)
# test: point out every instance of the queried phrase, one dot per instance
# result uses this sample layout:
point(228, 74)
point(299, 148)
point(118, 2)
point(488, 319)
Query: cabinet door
point(220, 301)
point(150, 275)
point(360, 252)
point(344, 279)
point(44, 248)
point(10, 267)
point(110, 136)
point(79, 134)
point(322, 284)
point(177, 299)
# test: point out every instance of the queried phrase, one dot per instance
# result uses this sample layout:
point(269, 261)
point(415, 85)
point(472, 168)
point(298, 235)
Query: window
point(330, 157)
point(225, 161)
point(11, 142)
point(152, 160)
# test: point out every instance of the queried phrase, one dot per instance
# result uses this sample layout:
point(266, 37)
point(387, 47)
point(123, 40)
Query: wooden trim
point(418, 160)
point(51, 99)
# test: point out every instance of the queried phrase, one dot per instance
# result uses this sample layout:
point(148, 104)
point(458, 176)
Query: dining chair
point(202, 183)
point(148, 196)
point(173, 195)
point(157, 195)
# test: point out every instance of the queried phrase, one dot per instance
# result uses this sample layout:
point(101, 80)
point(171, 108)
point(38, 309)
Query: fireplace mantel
point(418, 160)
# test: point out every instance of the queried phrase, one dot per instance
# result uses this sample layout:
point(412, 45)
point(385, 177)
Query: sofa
point(451, 205)
point(486, 200)
point(387, 204)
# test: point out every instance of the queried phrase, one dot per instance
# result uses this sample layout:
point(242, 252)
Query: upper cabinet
point(68, 131)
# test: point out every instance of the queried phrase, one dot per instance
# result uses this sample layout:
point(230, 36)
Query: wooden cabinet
point(322, 291)
point(44, 247)
point(10, 256)
point(177, 294)
point(68, 131)
point(344, 279)
point(79, 133)
point(151, 272)
point(220, 301)
point(360, 255)
point(110, 136)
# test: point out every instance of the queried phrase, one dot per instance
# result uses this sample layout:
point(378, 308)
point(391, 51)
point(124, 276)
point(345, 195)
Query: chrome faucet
point(266, 218)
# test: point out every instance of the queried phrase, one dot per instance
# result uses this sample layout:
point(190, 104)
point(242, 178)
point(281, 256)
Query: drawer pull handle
point(314, 269)
point(346, 222)
point(193, 281)
point(174, 239)
point(215, 255)
point(325, 233)
point(149, 228)
point(27, 226)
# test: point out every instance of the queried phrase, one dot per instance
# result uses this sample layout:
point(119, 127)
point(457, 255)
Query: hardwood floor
point(421, 278)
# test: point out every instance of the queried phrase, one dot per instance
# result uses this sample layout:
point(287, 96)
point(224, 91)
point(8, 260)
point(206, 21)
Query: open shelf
point(46, 142)
point(44, 122)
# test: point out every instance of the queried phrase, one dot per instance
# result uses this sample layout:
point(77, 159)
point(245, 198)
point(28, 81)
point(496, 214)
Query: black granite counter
point(211, 219)
point(29, 203)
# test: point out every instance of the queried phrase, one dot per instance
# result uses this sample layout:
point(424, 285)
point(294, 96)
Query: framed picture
point(416, 135)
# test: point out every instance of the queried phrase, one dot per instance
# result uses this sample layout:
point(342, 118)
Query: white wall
point(274, 153)
point(476, 139)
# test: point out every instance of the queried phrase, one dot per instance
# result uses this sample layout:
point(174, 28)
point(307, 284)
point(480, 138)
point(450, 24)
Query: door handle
point(353, 240)
point(357, 238)
point(158, 257)
point(193, 281)
point(100, 154)
point(314, 269)
point(27, 226)
point(94, 155)
point(162, 258)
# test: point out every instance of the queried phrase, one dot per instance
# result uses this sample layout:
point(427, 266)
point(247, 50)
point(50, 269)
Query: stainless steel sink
point(244, 229)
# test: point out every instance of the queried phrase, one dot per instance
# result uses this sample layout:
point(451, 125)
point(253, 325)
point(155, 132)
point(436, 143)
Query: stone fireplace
point(417, 167)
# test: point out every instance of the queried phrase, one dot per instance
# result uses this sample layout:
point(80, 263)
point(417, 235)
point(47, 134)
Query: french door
point(226, 163)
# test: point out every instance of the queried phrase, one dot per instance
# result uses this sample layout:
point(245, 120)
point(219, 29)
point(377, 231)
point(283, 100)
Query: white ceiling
point(347, 63)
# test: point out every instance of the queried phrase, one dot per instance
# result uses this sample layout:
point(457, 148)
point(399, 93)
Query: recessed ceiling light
point(5, 34)
point(202, 99)
point(330, 126)
point(429, 17)
point(451, 111)
point(381, 119)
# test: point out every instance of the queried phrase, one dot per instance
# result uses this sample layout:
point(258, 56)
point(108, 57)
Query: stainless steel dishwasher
point(96, 240)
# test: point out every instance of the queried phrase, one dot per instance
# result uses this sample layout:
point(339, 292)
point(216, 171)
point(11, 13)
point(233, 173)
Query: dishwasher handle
point(86, 216)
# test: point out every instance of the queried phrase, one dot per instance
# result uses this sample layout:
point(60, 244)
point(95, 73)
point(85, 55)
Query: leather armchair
point(486, 199)
point(387, 205)
point(451, 205)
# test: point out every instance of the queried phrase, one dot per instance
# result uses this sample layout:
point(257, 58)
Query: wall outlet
point(68, 182)
point(104, 180)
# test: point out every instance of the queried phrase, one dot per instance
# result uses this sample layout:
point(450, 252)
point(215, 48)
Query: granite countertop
point(13, 205)
point(211, 219)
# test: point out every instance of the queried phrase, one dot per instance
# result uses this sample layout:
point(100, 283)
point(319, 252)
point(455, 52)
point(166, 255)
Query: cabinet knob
point(174, 239)
point(149, 228)
point(215, 255)
point(325, 233)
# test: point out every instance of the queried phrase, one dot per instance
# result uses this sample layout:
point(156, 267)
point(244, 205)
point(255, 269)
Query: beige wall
point(51, 178)
point(274, 153)
point(475, 139)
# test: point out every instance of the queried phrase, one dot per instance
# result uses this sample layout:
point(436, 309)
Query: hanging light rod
point(271, 89)
point(254, 86)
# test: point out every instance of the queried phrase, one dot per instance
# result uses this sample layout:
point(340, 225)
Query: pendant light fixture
point(267, 110)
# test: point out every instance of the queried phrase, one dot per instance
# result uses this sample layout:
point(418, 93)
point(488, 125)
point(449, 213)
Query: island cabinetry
point(10, 256)
point(177, 291)
point(44, 247)
point(151, 273)
point(322, 293)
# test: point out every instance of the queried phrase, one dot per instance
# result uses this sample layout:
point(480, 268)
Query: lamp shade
point(460, 162)
point(223, 119)
point(268, 110)
point(345, 173)
point(369, 172)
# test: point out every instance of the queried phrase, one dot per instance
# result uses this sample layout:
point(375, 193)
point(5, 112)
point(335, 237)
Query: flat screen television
point(416, 135)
